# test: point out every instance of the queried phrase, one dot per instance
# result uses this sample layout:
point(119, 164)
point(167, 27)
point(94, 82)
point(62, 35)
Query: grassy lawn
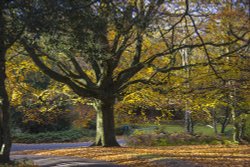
point(171, 128)
point(204, 155)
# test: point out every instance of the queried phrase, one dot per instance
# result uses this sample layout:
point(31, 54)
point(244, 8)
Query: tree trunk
point(5, 138)
point(225, 122)
point(189, 127)
point(105, 125)
point(235, 135)
point(243, 128)
point(239, 130)
point(214, 121)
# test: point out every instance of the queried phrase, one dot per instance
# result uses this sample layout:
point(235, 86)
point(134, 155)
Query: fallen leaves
point(205, 155)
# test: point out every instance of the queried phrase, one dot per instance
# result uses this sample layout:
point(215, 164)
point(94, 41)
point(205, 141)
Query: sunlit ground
point(203, 155)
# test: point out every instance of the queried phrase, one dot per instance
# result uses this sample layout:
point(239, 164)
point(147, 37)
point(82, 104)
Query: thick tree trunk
point(5, 139)
point(105, 125)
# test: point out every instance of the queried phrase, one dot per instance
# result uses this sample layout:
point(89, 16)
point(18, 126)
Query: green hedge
point(72, 135)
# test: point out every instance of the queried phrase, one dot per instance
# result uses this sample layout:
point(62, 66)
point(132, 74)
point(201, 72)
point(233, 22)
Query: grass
point(171, 128)
point(202, 155)
point(173, 135)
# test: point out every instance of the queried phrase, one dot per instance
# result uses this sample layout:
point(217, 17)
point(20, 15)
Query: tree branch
point(83, 92)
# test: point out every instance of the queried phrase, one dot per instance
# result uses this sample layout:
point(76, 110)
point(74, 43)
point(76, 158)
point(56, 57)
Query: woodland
point(134, 68)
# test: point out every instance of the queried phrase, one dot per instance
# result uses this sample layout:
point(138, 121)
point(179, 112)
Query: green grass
point(171, 128)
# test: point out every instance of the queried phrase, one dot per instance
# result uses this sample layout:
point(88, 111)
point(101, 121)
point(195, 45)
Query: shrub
point(91, 124)
point(138, 138)
point(123, 130)
point(60, 136)
point(247, 129)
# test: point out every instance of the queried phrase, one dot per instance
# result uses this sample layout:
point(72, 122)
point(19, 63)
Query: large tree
point(10, 30)
point(98, 48)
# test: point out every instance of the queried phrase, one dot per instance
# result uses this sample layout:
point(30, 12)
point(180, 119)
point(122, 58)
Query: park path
point(54, 161)
point(67, 161)
point(47, 146)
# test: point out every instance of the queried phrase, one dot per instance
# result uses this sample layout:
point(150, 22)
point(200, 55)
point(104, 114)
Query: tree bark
point(5, 138)
point(105, 125)
point(225, 121)
point(189, 126)
point(234, 135)
point(239, 130)
point(214, 121)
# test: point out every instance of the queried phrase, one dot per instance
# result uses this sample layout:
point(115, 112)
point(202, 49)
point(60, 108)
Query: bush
point(228, 142)
point(91, 124)
point(138, 138)
point(247, 129)
point(49, 137)
point(123, 130)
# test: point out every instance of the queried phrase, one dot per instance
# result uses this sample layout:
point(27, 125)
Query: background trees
point(36, 103)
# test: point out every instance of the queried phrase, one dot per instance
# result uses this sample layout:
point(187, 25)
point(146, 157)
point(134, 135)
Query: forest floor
point(171, 156)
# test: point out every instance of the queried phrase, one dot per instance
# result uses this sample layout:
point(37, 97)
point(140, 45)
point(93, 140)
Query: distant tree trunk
point(214, 121)
point(225, 122)
point(5, 139)
point(235, 127)
point(239, 130)
point(243, 129)
point(105, 125)
point(189, 125)
point(188, 120)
